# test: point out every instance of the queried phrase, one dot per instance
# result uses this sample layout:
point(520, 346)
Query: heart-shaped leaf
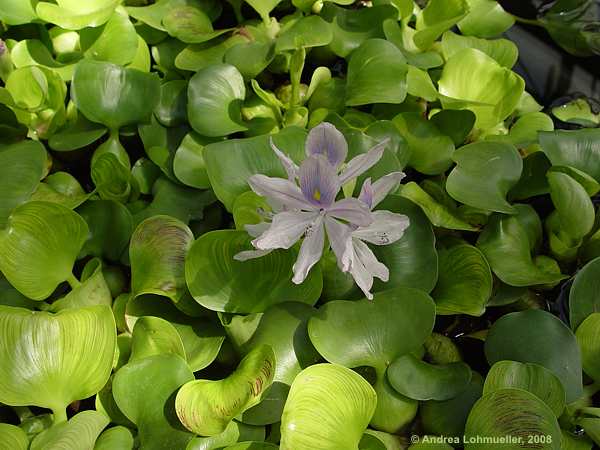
point(13, 437)
point(530, 377)
point(206, 407)
point(588, 339)
point(51, 360)
point(550, 344)
point(465, 281)
point(484, 173)
point(579, 149)
point(74, 15)
point(583, 298)
point(328, 408)
point(115, 438)
point(220, 283)
point(515, 415)
point(376, 74)
point(39, 246)
point(420, 380)
point(157, 253)
point(112, 95)
point(486, 19)
point(151, 404)
point(505, 52)
point(215, 95)
point(154, 336)
point(473, 80)
point(437, 17)
point(309, 31)
point(235, 432)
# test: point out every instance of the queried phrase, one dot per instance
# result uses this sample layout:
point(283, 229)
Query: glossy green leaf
point(507, 244)
point(412, 260)
point(200, 56)
point(455, 123)
point(151, 405)
point(465, 281)
point(250, 58)
point(328, 408)
point(16, 12)
point(549, 343)
point(578, 112)
point(505, 52)
point(39, 245)
point(206, 407)
point(484, 173)
point(583, 298)
point(486, 19)
point(171, 109)
point(309, 31)
point(579, 149)
point(220, 283)
point(529, 377)
point(22, 166)
point(51, 360)
point(33, 52)
point(423, 381)
point(74, 15)
point(437, 17)
point(115, 42)
point(112, 95)
point(13, 437)
point(230, 163)
point(574, 207)
point(419, 84)
point(157, 253)
point(588, 338)
point(515, 415)
point(215, 95)
point(189, 24)
point(201, 338)
point(263, 7)
point(524, 131)
point(403, 318)
point(473, 80)
point(351, 27)
point(115, 438)
point(430, 150)
point(235, 432)
point(154, 336)
point(376, 74)
point(80, 432)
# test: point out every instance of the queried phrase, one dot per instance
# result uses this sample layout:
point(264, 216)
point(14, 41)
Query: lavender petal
point(318, 181)
point(387, 227)
point(310, 251)
point(384, 185)
point(351, 210)
point(291, 168)
point(251, 254)
point(325, 139)
point(361, 163)
point(279, 192)
point(285, 230)
point(370, 262)
point(340, 239)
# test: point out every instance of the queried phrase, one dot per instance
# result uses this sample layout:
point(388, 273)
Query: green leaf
point(188, 164)
point(525, 130)
point(115, 42)
point(22, 166)
point(505, 52)
point(17, 12)
point(437, 17)
point(473, 80)
point(202, 339)
point(157, 253)
point(109, 174)
point(81, 431)
point(62, 188)
point(74, 15)
point(375, 333)
point(13, 437)
point(465, 281)
point(110, 225)
point(51, 360)
point(530, 377)
point(579, 149)
point(574, 207)
point(430, 150)
point(550, 344)
point(215, 95)
point(235, 432)
point(115, 438)
point(145, 391)
point(376, 74)
point(437, 213)
point(455, 123)
point(484, 173)
point(577, 112)
point(419, 84)
point(112, 95)
point(328, 408)
point(583, 298)
point(309, 31)
point(515, 415)
point(154, 336)
point(39, 246)
point(220, 283)
point(206, 407)
point(189, 24)
point(423, 381)
point(588, 339)
point(263, 7)
point(412, 260)
point(351, 27)
point(250, 58)
point(486, 19)
point(30, 52)
point(171, 109)
point(200, 56)
point(230, 163)
point(533, 177)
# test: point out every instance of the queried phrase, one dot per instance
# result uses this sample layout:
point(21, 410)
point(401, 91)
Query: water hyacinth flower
point(306, 207)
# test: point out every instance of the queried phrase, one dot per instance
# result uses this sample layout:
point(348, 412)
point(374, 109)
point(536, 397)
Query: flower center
point(317, 195)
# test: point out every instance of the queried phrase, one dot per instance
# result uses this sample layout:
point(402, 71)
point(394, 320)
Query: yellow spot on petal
point(317, 195)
